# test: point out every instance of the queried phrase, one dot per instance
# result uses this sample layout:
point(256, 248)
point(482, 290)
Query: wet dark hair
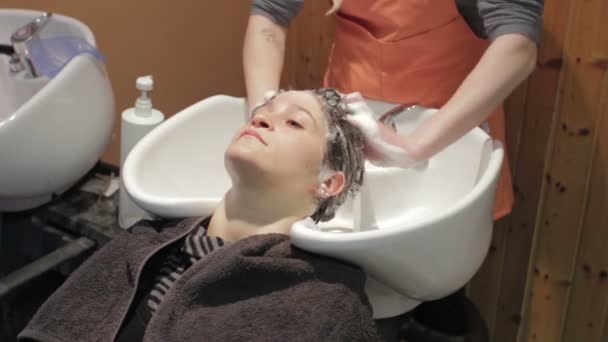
point(344, 152)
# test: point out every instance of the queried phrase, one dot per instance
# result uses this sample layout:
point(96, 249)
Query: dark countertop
point(83, 213)
point(40, 247)
point(84, 216)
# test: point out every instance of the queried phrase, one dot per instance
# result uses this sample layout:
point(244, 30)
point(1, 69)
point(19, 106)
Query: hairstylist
point(464, 57)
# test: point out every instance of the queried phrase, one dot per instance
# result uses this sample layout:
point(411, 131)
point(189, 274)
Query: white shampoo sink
point(52, 131)
point(419, 235)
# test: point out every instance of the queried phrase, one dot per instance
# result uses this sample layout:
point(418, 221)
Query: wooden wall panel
point(309, 42)
point(484, 289)
point(515, 110)
point(562, 210)
point(587, 312)
point(529, 170)
point(600, 35)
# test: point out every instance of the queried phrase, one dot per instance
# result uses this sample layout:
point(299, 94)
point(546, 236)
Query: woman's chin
point(242, 153)
point(243, 165)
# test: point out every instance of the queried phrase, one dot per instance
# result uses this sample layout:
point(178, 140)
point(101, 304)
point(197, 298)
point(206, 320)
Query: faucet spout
point(389, 117)
point(7, 50)
point(25, 34)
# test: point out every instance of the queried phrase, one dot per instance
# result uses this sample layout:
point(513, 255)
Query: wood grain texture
point(515, 110)
point(566, 193)
point(587, 312)
point(530, 170)
point(485, 286)
point(309, 42)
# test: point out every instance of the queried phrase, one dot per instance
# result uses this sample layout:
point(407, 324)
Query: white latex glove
point(335, 6)
point(381, 153)
point(269, 94)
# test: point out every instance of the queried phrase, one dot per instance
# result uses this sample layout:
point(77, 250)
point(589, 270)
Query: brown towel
point(259, 289)
point(90, 304)
point(264, 289)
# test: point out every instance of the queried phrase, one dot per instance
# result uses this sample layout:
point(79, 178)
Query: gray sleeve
point(279, 11)
point(512, 16)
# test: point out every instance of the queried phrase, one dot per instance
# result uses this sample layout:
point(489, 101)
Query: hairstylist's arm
point(514, 27)
point(263, 55)
point(506, 63)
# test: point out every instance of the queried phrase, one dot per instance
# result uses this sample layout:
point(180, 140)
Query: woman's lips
point(254, 133)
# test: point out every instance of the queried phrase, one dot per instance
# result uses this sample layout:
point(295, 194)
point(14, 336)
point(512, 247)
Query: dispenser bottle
point(136, 123)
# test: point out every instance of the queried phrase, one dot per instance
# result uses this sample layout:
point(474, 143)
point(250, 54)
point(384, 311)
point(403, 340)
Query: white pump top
point(143, 104)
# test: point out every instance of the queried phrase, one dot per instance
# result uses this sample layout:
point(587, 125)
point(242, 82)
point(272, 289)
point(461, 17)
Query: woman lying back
point(234, 276)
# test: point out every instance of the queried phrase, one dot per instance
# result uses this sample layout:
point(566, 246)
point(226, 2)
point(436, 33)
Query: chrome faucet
point(388, 118)
point(21, 59)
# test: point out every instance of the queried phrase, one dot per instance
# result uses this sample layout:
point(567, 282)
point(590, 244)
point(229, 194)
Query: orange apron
point(410, 51)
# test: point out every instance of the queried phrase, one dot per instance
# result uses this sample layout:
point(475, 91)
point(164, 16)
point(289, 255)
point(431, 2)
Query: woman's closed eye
point(294, 124)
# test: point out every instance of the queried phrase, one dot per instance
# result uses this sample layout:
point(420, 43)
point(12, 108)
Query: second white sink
point(51, 131)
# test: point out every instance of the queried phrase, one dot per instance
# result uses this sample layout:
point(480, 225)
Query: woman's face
point(282, 146)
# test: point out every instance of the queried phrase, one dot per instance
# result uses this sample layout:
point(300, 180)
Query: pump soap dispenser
point(136, 123)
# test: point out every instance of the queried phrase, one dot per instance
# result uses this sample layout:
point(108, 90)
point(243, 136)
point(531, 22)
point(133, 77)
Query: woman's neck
point(243, 213)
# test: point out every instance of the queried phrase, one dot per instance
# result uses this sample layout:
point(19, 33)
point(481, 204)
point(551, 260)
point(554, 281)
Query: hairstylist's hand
point(383, 146)
point(268, 95)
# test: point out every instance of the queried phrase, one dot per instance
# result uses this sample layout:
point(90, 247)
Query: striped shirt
point(160, 275)
point(196, 246)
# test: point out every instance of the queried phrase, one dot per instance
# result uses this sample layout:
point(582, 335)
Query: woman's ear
point(332, 185)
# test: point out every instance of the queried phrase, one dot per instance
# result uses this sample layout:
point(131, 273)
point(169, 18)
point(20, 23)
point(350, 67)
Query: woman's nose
point(261, 121)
